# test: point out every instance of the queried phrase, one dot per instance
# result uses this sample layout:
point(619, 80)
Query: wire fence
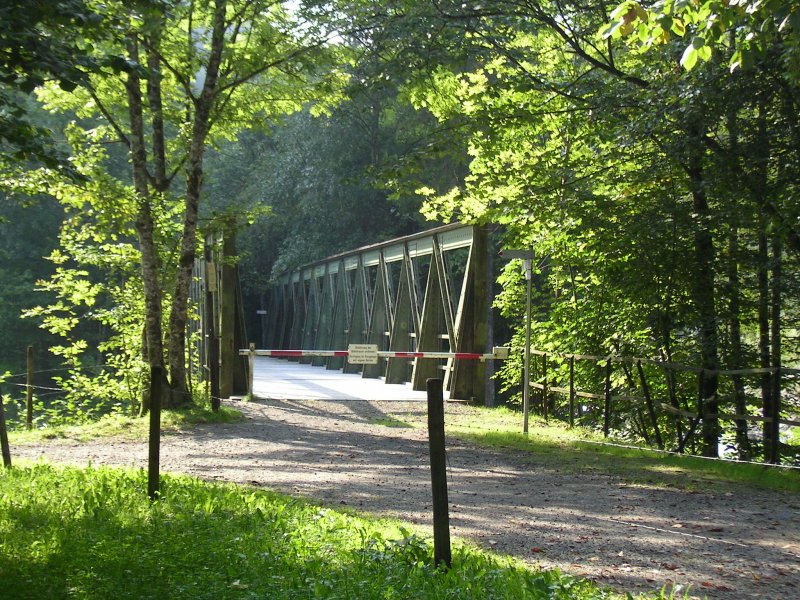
point(667, 403)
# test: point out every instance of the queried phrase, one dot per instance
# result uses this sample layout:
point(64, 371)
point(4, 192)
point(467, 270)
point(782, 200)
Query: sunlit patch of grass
point(92, 533)
point(579, 449)
point(127, 427)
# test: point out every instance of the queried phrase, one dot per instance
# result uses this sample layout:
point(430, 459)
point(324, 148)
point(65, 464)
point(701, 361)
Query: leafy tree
point(43, 41)
point(200, 72)
point(745, 30)
point(623, 173)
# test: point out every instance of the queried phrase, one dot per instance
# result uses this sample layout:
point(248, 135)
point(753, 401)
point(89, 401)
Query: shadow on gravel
point(630, 537)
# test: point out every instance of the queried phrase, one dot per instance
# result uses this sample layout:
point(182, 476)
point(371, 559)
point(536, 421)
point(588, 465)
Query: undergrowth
point(92, 533)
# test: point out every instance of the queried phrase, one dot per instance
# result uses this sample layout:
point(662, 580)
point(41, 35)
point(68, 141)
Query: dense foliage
point(661, 203)
point(648, 154)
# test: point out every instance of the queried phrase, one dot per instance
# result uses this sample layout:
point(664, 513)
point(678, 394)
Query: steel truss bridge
point(427, 292)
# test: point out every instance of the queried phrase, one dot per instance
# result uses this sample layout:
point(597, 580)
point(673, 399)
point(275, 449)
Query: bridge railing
point(422, 293)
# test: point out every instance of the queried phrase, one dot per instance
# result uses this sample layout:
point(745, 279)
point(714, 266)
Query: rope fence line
point(60, 369)
point(663, 363)
point(691, 456)
point(36, 387)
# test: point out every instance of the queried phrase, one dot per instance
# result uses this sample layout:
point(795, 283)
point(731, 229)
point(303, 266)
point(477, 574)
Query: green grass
point(581, 450)
point(127, 427)
point(92, 533)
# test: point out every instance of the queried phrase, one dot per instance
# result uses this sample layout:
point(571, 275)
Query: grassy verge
point(127, 427)
point(91, 533)
point(580, 450)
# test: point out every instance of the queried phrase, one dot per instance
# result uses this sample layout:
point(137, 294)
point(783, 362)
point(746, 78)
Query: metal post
point(526, 378)
point(252, 365)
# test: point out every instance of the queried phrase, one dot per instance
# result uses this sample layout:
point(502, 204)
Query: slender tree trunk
point(161, 182)
point(194, 179)
point(735, 306)
point(763, 329)
point(735, 332)
point(775, 309)
point(704, 295)
point(144, 223)
point(764, 346)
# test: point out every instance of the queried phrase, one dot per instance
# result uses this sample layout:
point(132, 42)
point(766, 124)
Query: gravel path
point(731, 543)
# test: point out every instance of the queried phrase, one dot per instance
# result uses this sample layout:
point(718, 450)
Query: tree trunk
point(704, 295)
point(763, 330)
point(735, 306)
point(775, 309)
point(735, 331)
point(764, 347)
point(194, 180)
point(144, 221)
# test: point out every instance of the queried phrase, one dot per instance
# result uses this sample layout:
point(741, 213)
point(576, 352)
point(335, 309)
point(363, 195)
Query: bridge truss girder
point(424, 292)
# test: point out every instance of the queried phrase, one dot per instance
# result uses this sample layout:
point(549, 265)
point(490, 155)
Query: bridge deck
point(275, 378)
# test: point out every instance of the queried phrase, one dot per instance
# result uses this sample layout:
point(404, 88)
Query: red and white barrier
point(364, 354)
point(498, 353)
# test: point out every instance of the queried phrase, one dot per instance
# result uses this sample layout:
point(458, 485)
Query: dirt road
point(731, 543)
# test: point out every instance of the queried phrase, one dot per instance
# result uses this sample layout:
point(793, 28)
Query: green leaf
point(678, 28)
point(704, 53)
point(689, 58)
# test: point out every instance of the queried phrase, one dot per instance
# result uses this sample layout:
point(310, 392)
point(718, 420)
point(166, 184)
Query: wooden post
point(436, 441)
point(650, 408)
point(212, 341)
point(545, 399)
point(154, 447)
point(229, 354)
point(29, 390)
point(607, 393)
point(571, 391)
point(4, 435)
point(775, 424)
point(252, 363)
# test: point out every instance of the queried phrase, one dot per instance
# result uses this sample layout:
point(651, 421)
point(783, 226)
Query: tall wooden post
point(607, 396)
point(436, 441)
point(29, 390)
point(154, 446)
point(775, 424)
point(571, 391)
point(227, 308)
point(211, 325)
point(545, 391)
